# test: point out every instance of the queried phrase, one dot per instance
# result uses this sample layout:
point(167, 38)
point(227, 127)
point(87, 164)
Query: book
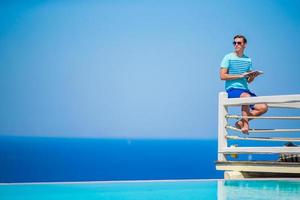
point(255, 73)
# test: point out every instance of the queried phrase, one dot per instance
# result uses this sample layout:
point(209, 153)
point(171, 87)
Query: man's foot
point(245, 128)
point(239, 124)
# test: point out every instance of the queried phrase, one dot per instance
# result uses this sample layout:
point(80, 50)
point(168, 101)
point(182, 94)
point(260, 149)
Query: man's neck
point(239, 53)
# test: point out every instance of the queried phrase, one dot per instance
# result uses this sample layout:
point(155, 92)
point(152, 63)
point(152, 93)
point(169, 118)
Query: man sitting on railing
point(234, 68)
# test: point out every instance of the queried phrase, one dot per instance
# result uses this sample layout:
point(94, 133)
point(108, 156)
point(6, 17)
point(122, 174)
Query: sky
point(135, 69)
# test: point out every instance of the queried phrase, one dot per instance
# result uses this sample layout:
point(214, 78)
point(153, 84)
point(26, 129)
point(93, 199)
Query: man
point(233, 68)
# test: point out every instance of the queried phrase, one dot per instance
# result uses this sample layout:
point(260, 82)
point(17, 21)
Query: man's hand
point(251, 77)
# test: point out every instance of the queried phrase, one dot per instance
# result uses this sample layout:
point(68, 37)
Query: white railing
point(280, 101)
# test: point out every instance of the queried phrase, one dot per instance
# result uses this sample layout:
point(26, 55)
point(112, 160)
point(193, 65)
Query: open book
point(255, 73)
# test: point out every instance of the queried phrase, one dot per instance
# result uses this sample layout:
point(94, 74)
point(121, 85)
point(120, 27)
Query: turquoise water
point(158, 190)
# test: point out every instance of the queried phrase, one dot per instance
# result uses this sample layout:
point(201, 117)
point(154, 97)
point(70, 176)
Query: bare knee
point(244, 94)
point(262, 108)
point(265, 108)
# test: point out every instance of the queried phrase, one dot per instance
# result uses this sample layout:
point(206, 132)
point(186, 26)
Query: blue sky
point(135, 69)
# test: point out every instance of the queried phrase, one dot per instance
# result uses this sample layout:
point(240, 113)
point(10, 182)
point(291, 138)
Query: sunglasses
point(235, 43)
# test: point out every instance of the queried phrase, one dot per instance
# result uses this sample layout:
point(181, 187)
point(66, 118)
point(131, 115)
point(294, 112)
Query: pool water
point(158, 190)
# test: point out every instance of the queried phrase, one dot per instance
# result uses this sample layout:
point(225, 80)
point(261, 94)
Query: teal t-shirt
point(236, 65)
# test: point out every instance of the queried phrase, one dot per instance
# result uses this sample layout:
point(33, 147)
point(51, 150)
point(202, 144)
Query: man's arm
point(225, 76)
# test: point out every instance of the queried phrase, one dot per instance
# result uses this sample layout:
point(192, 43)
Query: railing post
point(222, 122)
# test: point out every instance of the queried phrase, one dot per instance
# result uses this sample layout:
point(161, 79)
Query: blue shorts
point(236, 93)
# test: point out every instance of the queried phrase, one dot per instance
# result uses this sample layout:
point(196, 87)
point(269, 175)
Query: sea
point(50, 159)
point(46, 159)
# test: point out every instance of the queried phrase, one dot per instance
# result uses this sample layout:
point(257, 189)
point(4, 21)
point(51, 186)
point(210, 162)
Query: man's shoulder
point(228, 56)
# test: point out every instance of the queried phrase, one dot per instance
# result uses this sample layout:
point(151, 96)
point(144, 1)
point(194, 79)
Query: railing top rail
point(286, 100)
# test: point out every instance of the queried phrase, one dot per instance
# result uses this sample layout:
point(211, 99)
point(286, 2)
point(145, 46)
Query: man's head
point(239, 43)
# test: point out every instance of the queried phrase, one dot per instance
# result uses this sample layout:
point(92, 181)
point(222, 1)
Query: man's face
point(239, 44)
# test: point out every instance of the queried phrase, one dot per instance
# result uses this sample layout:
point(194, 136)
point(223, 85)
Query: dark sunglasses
point(235, 43)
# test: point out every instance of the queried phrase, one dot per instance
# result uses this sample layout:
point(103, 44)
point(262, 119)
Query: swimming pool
point(158, 190)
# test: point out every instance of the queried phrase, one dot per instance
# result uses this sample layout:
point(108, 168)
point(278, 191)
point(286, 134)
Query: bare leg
point(259, 109)
point(245, 121)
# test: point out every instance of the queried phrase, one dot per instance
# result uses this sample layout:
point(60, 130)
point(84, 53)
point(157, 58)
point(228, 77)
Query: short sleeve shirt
point(236, 65)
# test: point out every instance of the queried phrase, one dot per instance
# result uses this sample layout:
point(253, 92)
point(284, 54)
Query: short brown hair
point(241, 36)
